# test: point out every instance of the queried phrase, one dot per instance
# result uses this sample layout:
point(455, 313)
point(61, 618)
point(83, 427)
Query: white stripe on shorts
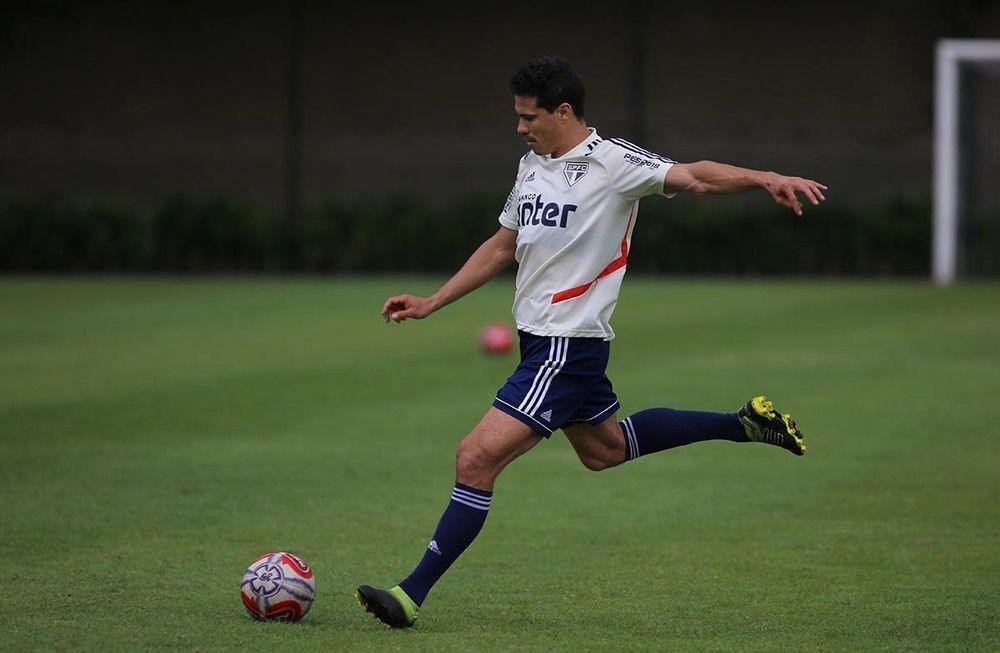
point(546, 375)
point(542, 428)
point(538, 375)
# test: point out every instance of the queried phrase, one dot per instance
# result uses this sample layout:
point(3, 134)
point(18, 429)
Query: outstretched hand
point(400, 307)
point(783, 189)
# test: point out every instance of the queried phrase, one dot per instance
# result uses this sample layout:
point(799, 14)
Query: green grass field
point(158, 435)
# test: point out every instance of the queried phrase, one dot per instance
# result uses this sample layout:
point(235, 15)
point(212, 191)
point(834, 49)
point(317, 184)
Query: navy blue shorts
point(559, 381)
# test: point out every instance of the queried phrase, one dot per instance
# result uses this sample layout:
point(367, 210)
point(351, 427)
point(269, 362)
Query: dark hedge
point(225, 234)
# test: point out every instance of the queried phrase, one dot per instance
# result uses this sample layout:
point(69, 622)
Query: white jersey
point(574, 217)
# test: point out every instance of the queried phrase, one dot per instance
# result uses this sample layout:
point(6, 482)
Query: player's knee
point(600, 463)
point(608, 457)
point(471, 460)
point(594, 464)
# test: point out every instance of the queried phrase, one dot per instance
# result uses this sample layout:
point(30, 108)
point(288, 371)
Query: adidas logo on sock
point(433, 546)
point(547, 415)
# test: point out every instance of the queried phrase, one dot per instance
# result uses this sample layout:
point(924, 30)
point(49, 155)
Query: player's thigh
point(496, 440)
point(595, 440)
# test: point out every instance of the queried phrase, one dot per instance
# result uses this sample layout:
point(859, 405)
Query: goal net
point(966, 160)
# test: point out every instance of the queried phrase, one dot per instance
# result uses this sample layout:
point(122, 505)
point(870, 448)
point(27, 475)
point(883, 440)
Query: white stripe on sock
point(470, 504)
point(459, 493)
point(633, 443)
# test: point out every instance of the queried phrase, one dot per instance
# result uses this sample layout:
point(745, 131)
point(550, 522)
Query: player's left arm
point(720, 178)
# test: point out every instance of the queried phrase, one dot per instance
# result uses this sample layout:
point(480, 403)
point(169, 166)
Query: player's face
point(539, 128)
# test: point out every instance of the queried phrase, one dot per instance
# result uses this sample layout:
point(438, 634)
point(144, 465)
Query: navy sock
point(656, 429)
point(461, 522)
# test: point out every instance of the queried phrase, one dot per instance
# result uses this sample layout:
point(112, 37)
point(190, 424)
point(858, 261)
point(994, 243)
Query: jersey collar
point(579, 149)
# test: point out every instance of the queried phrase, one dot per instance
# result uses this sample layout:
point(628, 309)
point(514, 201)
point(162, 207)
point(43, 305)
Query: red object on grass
point(496, 339)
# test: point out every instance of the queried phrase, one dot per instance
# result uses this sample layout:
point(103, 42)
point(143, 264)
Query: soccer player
point(568, 223)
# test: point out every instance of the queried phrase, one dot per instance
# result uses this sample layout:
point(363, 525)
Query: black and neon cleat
point(392, 607)
point(763, 424)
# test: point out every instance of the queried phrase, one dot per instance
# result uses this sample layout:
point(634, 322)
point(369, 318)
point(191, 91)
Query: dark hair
point(551, 81)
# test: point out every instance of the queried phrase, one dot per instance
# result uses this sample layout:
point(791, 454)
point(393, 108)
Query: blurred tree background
point(263, 136)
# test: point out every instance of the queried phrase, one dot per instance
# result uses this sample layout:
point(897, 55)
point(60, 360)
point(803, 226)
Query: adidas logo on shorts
point(547, 415)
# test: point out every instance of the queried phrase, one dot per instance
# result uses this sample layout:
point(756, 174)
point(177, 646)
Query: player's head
point(552, 82)
point(548, 100)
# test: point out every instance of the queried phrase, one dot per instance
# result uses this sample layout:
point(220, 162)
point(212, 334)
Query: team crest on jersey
point(575, 170)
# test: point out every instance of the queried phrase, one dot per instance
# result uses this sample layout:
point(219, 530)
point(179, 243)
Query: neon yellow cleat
point(391, 607)
point(763, 424)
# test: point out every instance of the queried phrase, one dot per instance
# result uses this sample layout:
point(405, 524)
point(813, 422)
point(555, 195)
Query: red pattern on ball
point(296, 563)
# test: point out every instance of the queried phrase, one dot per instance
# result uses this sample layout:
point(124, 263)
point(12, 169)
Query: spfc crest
point(575, 170)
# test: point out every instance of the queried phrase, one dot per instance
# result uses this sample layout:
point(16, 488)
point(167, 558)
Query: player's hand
point(400, 307)
point(784, 191)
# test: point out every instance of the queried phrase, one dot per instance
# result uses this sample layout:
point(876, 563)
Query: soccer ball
point(278, 587)
point(496, 339)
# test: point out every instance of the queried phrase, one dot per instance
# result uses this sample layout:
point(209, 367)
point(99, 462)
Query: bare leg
point(599, 447)
point(492, 445)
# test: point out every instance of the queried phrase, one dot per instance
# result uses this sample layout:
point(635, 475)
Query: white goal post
point(952, 55)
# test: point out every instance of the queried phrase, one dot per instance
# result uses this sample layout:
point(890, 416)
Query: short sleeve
point(508, 217)
point(634, 171)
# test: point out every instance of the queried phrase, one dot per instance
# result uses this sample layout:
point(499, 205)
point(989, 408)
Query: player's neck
point(575, 134)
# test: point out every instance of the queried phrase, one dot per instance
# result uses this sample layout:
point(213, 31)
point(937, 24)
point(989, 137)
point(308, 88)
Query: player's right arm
point(486, 262)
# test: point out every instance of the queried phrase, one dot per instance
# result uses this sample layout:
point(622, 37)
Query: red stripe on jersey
point(614, 265)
